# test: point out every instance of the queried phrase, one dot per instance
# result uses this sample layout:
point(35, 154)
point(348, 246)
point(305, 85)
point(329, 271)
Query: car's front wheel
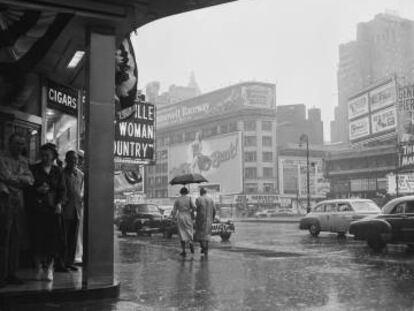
point(376, 243)
point(314, 229)
point(225, 236)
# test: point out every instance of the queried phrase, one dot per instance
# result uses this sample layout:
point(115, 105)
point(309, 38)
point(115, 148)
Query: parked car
point(222, 228)
point(266, 213)
point(165, 210)
point(337, 215)
point(140, 218)
point(394, 225)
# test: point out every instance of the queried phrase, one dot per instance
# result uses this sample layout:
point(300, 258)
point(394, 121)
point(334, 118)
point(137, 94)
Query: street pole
point(303, 138)
point(308, 208)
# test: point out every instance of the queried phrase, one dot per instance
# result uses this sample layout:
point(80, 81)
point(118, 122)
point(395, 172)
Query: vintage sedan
point(394, 225)
point(141, 218)
point(337, 215)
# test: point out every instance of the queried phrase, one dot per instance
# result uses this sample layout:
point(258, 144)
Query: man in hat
point(206, 212)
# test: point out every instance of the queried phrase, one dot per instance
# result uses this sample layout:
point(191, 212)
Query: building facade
point(384, 47)
point(227, 135)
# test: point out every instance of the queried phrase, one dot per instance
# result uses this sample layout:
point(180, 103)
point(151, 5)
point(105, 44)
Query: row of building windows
point(254, 188)
point(358, 185)
point(250, 125)
point(158, 194)
point(180, 137)
point(251, 172)
point(251, 156)
point(251, 141)
point(158, 168)
point(157, 181)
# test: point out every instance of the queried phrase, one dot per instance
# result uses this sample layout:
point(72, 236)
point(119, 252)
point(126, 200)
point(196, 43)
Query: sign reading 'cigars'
point(62, 98)
point(134, 134)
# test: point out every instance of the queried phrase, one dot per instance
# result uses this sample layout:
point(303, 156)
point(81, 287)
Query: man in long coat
point(205, 215)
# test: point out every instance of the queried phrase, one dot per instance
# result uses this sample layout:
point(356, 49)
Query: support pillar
point(99, 177)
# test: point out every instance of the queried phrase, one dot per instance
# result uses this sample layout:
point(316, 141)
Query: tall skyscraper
point(384, 48)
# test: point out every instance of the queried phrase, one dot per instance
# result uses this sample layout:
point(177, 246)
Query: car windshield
point(147, 208)
point(365, 206)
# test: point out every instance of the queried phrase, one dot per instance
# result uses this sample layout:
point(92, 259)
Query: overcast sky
point(293, 43)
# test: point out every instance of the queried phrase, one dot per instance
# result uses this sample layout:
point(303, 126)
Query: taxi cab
point(337, 215)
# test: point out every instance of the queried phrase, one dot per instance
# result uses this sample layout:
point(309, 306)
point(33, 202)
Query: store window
point(252, 188)
point(268, 188)
point(250, 156)
point(62, 117)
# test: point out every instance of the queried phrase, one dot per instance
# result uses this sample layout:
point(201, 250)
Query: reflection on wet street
point(263, 267)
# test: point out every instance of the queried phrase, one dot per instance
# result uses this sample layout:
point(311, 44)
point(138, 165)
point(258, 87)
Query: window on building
point(233, 126)
point(382, 183)
point(268, 172)
point(150, 169)
point(164, 180)
point(189, 136)
point(268, 188)
point(250, 141)
point(164, 168)
point(251, 188)
point(250, 172)
point(158, 180)
point(266, 125)
point(158, 168)
point(267, 140)
point(250, 156)
point(150, 181)
point(267, 157)
point(250, 125)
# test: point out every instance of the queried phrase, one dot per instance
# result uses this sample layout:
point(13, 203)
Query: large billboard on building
point(218, 159)
point(406, 125)
point(293, 177)
point(372, 114)
point(134, 134)
point(255, 95)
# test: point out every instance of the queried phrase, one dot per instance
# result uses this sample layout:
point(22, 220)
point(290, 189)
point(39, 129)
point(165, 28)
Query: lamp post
point(304, 138)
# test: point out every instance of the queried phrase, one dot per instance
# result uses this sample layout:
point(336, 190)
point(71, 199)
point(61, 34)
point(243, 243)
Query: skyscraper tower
point(384, 48)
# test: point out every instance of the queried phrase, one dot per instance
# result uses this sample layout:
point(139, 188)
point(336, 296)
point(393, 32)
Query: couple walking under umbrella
point(184, 212)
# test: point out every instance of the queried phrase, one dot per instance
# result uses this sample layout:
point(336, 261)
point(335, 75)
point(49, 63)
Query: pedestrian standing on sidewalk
point(206, 212)
point(183, 211)
point(15, 177)
point(45, 211)
point(72, 207)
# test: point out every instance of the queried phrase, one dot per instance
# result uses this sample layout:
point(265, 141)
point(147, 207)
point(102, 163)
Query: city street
point(265, 266)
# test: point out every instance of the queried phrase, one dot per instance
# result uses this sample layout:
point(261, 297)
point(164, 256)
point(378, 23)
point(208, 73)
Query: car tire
point(341, 235)
point(225, 236)
point(314, 229)
point(376, 243)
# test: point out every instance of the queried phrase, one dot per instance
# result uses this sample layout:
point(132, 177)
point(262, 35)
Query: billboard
point(406, 125)
point(384, 120)
point(218, 159)
point(358, 106)
point(134, 134)
point(359, 128)
point(382, 96)
point(293, 177)
point(256, 95)
point(129, 180)
point(405, 183)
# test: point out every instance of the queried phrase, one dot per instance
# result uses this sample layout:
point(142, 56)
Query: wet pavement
point(267, 266)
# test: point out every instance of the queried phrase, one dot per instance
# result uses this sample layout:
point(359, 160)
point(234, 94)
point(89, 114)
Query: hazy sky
point(293, 43)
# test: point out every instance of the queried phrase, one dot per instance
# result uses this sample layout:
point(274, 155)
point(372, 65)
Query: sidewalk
point(280, 219)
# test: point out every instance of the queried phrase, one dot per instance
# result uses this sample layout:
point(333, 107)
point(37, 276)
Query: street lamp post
point(304, 138)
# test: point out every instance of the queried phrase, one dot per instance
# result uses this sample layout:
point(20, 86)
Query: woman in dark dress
point(45, 208)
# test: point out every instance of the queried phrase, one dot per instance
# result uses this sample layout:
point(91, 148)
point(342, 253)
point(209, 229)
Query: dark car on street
point(140, 218)
point(394, 225)
point(222, 228)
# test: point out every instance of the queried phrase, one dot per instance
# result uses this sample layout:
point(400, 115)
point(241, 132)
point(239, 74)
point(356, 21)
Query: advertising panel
point(62, 98)
point(218, 159)
point(134, 134)
point(358, 106)
point(256, 95)
point(384, 120)
point(359, 128)
point(382, 96)
point(129, 181)
point(405, 183)
point(406, 125)
point(293, 177)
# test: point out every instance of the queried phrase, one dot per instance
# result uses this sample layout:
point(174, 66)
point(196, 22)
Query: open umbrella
point(188, 179)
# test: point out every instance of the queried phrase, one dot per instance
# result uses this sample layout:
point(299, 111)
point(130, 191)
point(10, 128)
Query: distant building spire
point(193, 83)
